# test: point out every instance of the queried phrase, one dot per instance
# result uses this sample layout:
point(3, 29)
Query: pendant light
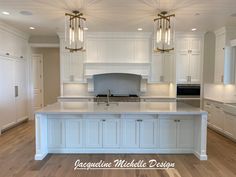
point(164, 32)
point(74, 31)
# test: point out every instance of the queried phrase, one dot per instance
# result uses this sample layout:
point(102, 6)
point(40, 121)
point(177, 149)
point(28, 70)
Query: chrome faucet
point(108, 97)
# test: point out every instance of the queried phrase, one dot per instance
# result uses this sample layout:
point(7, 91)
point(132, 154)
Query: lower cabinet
point(56, 132)
point(139, 133)
point(102, 133)
point(74, 132)
point(176, 133)
point(133, 133)
point(229, 125)
point(219, 119)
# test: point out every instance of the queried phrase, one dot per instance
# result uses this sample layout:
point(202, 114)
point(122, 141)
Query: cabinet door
point(66, 71)
point(157, 68)
point(195, 45)
point(74, 133)
point(56, 138)
point(229, 124)
point(76, 66)
point(168, 133)
point(219, 58)
point(21, 83)
point(130, 133)
point(218, 120)
point(185, 133)
point(182, 45)
point(7, 94)
point(148, 133)
point(111, 132)
point(168, 68)
point(182, 67)
point(195, 67)
point(93, 129)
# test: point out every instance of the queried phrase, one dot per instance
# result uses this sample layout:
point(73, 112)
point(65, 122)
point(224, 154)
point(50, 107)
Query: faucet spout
point(108, 97)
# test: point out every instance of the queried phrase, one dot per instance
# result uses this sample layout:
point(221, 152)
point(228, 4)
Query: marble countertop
point(168, 108)
point(225, 101)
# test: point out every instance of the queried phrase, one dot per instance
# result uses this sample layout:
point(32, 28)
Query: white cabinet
point(139, 133)
point(168, 131)
point(93, 133)
point(13, 91)
point(56, 132)
point(72, 67)
point(219, 119)
point(111, 133)
point(130, 133)
point(74, 132)
point(102, 133)
point(14, 45)
point(229, 125)
point(176, 132)
point(224, 57)
point(162, 68)
point(188, 60)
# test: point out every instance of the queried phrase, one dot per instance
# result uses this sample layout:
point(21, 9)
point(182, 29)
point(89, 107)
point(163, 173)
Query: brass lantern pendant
point(164, 32)
point(74, 31)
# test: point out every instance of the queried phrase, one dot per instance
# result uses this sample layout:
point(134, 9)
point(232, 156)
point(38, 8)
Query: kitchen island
point(122, 127)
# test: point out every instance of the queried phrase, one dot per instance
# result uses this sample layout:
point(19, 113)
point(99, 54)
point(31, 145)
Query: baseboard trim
point(13, 125)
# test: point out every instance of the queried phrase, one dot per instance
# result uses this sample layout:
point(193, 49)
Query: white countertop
point(220, 100)
point(121, 108)
point(157, 97)
point(76, 97)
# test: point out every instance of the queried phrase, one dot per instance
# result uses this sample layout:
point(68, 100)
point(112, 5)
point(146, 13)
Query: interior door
point(37, 70)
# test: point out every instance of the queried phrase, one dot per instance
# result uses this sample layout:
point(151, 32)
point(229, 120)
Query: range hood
point(92, 69)
point(141, 69)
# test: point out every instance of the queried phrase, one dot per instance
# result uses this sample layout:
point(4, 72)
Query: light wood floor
point(17, 149)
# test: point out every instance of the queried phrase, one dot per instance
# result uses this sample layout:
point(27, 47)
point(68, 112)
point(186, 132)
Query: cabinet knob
point(21, 57)
point(139, 120)
point(104, 120)
point(7, 54)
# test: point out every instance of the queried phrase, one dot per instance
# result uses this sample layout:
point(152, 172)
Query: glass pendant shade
point(164, 33)
point(74, 31)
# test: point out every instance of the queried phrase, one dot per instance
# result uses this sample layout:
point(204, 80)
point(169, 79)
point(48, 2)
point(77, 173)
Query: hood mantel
point(142, 69)
point(92, 69)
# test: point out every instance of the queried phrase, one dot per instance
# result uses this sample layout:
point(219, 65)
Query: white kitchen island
point(125, 127)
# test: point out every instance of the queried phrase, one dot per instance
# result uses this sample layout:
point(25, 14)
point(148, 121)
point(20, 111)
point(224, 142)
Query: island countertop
point(121, 108)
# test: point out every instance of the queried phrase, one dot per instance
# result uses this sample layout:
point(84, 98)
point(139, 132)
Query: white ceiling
point(118, 15)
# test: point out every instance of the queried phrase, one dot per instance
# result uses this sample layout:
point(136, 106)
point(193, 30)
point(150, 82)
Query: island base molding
point(121, 134)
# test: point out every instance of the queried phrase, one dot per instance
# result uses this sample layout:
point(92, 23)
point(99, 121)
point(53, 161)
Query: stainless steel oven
point(189, 94)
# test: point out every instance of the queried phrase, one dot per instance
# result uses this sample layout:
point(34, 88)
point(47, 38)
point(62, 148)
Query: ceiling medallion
point(164, 32)
point(74, 31)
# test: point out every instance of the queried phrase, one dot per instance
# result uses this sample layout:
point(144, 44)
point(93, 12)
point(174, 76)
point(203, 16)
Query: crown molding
point(5, 27)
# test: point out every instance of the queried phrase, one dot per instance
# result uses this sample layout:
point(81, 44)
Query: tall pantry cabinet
point(13, 79)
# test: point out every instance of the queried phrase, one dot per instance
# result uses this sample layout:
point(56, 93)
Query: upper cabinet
point(162, 68)
point(14, 43)
point(188, 60)
point(72, 65)
point(118, 48)
point(224, 56)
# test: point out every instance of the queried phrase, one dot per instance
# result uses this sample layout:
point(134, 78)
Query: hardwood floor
point(17, 149)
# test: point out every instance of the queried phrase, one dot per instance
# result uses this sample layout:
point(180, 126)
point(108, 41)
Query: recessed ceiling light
point(85, 28)
point(32, 28)
point(27, 13)
point(140, 29)
point(5, 13)
point(194, 29)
